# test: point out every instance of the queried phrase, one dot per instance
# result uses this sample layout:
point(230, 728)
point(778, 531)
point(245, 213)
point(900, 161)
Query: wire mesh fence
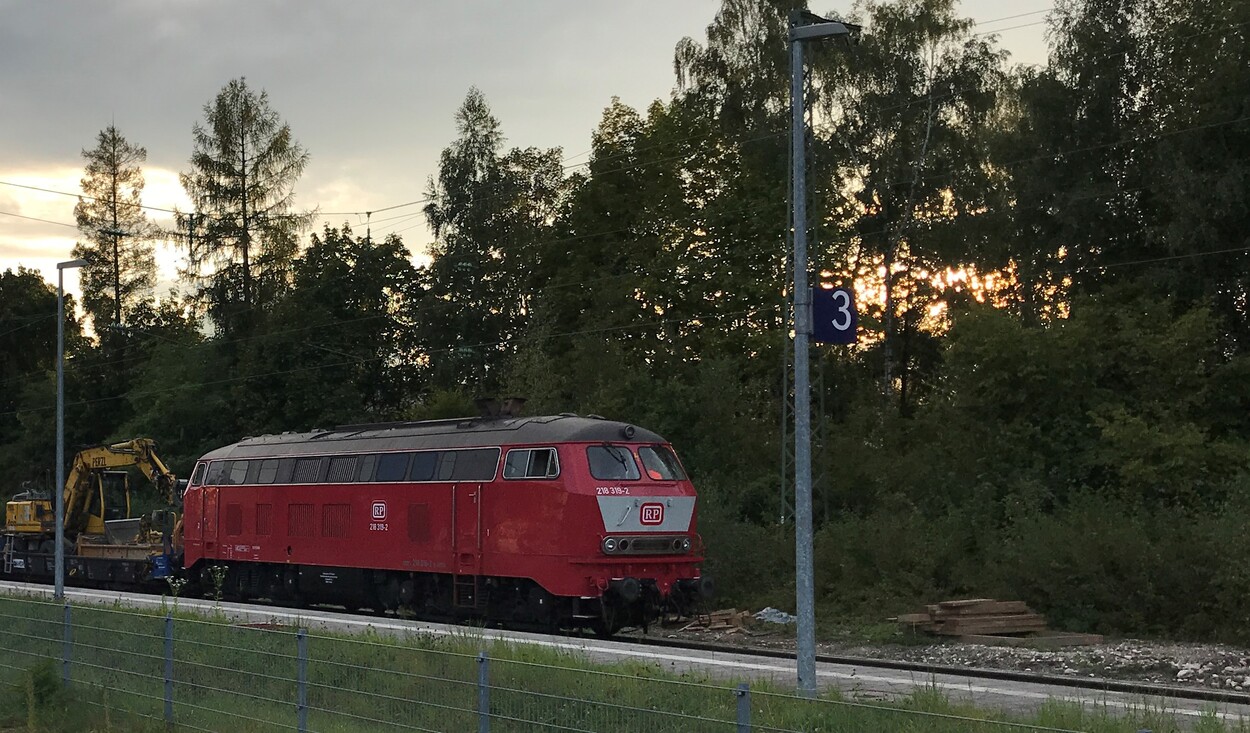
point(178, 671)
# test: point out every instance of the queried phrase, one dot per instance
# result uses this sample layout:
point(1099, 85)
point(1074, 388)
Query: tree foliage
point(488, 210)
point(242, 233)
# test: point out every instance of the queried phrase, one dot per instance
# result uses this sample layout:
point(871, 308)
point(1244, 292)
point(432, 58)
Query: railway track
point(1098, 684)
point(1008, 689)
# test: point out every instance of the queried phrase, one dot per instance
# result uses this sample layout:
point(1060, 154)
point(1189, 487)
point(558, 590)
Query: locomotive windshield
point(660, 463)
point(611, 462)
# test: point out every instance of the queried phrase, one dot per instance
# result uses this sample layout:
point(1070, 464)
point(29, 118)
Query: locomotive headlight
point(609, 545)
point(685, 544)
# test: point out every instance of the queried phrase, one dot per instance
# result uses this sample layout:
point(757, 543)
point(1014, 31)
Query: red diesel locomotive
point(558, 521)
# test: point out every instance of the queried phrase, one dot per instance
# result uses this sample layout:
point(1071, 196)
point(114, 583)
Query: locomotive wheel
point(610, 621)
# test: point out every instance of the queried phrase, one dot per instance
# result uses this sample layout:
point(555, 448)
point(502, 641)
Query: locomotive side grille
point(334, 520)
point(234, 519)
point(299, 520)
point(342, 470)
point(264, 519)
point(419, 523)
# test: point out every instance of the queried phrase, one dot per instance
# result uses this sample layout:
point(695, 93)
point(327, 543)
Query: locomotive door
point(466, 507)
point(208, 520)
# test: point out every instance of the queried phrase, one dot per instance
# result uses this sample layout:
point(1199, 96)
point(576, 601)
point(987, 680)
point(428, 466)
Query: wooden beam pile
point(976, 617)
point(729, 619)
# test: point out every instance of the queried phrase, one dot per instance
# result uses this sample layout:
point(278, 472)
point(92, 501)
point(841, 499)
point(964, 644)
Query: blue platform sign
point(834, 318)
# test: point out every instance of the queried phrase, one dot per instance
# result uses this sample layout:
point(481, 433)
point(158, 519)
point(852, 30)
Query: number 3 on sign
point(834, 318)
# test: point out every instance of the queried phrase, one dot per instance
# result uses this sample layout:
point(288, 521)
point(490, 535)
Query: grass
point(235, 678)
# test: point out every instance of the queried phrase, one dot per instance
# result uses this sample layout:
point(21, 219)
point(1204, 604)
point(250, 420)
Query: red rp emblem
point(651, 514)
point(379, 511)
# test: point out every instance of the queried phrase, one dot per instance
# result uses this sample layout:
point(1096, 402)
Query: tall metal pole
point(59, 488)
point(803, 566)
point(804, 26)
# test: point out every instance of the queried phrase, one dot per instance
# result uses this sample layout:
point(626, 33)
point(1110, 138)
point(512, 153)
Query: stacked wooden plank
point(976, 617)
point(727, 619)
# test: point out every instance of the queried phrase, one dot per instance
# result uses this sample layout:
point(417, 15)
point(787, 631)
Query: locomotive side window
point(661, 464)
point(286, 468)
point(468, 465)
point(253, 470)
point(531, 463)
point(217, 470)
point(238, 472)
point(342, 470)
point(392, 467)
point(611, 462)
point(423, 465)
point(365, 468)
point(446, 465)
point(268, 472)
point(197, 476)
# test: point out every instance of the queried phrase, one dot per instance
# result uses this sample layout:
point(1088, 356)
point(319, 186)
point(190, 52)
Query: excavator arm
point(139, 452)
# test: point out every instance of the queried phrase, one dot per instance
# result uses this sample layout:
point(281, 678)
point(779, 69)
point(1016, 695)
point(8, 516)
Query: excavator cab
point(109, 500)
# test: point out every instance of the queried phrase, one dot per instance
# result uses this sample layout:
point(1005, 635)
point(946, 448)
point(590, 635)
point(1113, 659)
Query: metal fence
point(177, 671)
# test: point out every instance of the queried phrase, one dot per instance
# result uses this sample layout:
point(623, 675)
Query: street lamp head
point(71, 264)
point(806, 26)
point(830, 29)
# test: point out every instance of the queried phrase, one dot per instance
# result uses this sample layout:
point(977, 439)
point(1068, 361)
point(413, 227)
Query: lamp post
point(803, 26)
point(59, 488)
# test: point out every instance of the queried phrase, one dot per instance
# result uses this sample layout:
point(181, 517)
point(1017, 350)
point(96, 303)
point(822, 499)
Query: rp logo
point(379, 511)
point(651, 514)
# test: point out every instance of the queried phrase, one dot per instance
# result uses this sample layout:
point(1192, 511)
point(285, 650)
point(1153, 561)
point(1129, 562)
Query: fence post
point(66, 647)
point(744, 708)
point(483, 693)
point(169, 671)
point(301, 704)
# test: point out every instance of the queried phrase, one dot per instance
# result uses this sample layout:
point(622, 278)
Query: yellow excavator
point(97, 504)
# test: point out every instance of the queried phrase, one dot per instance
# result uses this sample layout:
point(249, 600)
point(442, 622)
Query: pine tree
point(243, 233)
point(116, 232)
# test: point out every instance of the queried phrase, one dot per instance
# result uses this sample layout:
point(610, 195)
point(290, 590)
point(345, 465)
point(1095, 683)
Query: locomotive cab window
point(197, 476)
point(611, 462)
point(660, 463)
point(532, 463)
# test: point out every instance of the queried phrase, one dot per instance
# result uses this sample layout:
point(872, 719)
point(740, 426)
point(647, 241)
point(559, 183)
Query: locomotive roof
point(427, 434)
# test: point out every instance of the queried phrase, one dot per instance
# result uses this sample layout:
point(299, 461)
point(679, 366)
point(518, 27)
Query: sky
point(368, 88)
